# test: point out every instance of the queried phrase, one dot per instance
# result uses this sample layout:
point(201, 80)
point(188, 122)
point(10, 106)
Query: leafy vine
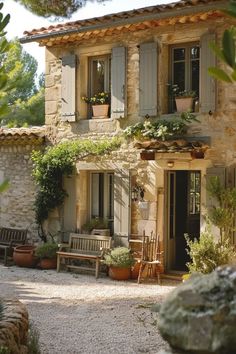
point(55, 162)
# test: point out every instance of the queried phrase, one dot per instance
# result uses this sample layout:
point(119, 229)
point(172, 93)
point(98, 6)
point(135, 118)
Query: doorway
point(183, 215)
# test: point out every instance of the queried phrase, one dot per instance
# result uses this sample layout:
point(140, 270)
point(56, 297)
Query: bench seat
point(82, 246)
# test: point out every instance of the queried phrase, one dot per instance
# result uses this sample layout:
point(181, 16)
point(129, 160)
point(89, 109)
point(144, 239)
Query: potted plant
point(119, 260)
point(100, 104)
point(98, 226)
point(47, 253)
point(183, 99)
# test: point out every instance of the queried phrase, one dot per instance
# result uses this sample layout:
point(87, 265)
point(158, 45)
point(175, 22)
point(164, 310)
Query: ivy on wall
point(57, 161)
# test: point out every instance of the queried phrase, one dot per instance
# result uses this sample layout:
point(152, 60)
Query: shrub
point(33, 340)
point(206, 254)
point(46, 250)
point(119, 257)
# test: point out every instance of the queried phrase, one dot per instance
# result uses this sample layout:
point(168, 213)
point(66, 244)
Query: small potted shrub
point(97, 224)
point(100, 104)
point(47, 253)
point(183, 99)
point(119, 260)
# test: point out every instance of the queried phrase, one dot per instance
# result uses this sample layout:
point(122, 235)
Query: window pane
point(195, 52)
point(95, 195)
point(195, 76)
point(179, 75)
point(98, 76)
point(179, 54)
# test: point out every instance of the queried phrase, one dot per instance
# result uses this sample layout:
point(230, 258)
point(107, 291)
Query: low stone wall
point(14, 326)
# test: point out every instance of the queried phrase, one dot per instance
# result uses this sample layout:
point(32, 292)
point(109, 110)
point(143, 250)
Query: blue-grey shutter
point(219, 172)
point(68, 88)
point(148, 79)
point(118, 82)
point(122, 204)
point(69, 219)
point(207, 83)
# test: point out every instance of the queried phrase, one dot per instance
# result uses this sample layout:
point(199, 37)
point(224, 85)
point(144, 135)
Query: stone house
point(136, 56)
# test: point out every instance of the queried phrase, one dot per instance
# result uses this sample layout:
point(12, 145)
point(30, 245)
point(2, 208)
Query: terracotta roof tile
point(113, 18)
point(22, 136)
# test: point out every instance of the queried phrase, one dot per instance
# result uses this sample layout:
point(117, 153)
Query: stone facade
point(218, 125)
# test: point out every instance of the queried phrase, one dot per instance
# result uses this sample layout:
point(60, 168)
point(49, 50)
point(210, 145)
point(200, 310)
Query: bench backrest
point(15, 236)
point(88, 243)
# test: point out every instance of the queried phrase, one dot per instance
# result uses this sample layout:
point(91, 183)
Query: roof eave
point(115, 23)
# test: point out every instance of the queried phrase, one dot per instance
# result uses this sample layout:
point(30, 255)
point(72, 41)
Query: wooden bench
point(85, 247)
point(10, 238)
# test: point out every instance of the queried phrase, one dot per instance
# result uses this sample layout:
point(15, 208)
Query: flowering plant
point(98, 98)
point(176, 92)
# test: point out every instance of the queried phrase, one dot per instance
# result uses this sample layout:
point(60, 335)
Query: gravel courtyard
point(76, 313)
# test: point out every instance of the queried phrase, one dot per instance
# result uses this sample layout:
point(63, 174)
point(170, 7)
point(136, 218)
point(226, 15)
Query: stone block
point(50, 107)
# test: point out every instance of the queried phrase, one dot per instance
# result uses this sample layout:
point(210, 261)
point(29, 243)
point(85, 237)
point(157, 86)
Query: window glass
point(102, 195)
point(194, 193)
point(98, 75)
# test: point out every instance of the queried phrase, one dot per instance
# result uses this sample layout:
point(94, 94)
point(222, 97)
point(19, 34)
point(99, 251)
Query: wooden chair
point(150, 257)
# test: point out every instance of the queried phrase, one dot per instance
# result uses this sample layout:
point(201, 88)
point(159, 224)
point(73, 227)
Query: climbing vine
point(57, 161)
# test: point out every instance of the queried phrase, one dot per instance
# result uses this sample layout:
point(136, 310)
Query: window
point(194, 193)
point(102, 195)
point(185, 68)
point(99, 73)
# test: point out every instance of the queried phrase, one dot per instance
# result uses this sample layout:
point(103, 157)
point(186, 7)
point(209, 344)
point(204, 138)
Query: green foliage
point(222, 215)
point(4, 350)
point(162, 129)
point(99, 98)
point(1, 310)
point(24, 100)
point(33, 340)
point(58, 161)
point(120, 257)
point(95, 223)
point(206, 254)
point(58, 8)
point(4, 185)
point(47, 250)
point(227, 52)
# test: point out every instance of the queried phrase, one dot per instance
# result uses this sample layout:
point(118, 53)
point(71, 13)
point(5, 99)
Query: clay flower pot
point(23, 256)
point(48, 263)
point(100, 110)
point(117, 273)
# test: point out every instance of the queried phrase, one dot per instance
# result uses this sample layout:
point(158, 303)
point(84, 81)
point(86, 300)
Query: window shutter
point(148, 79)
point(122, 203)
point(213, 172)
point(207, 83)
point(68, 90)
point(118, 82)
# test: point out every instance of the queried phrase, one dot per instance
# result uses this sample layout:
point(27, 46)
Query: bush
point(33, 340)
point(120, 257)
point(206, 254)
point(47, 250)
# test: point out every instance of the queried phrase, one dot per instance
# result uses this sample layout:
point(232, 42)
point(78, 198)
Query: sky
point(22, 20)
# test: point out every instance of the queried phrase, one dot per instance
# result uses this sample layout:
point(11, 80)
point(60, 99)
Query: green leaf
point(228, 44)
point(219, 74)
point(4, 22)
point(218, 52)
point(233, 75)
point(4, 185)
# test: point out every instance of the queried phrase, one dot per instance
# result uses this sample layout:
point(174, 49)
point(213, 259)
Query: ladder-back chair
point(150, 258)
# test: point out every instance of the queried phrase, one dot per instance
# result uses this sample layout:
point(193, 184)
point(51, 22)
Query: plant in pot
point(100, 104)
point(98, 226)
point(47, 253)
point(119, 260)
point(183, 99)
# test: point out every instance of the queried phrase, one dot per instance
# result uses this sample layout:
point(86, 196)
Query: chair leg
point(141, 269)
point(97, 267)
point(58, 263)
point(5, 257)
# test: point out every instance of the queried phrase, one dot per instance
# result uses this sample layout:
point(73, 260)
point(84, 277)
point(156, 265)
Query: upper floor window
point(99, 73)
point(185, 69)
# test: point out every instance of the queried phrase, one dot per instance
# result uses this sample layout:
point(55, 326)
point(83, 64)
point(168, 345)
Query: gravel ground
point(76, 313)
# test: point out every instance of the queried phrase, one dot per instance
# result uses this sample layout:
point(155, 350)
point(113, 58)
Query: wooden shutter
point(210, 172)
point(207, 83)
point(118, 82)
point(148, 79)
point(122, 204)
point(68, 90)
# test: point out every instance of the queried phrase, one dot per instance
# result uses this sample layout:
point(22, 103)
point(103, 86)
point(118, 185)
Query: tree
point(24, 99)
point(58, 8)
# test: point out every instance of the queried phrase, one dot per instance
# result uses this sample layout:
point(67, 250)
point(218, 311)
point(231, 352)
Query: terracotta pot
point(23, 256)
point(100, 110)
point(48, 263)
point(184, 104)
point(116, 273)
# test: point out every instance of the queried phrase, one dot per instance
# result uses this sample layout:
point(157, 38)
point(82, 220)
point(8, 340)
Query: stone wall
point(17, 202)
point(14, 327)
